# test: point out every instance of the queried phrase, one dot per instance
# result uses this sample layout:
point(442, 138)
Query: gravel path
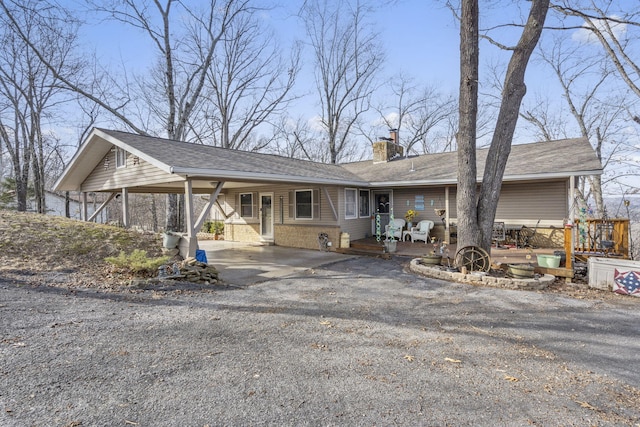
point(358, 342)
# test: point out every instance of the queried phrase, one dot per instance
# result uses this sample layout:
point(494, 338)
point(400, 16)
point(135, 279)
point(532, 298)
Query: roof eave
point(507, 178)
point(262, 177)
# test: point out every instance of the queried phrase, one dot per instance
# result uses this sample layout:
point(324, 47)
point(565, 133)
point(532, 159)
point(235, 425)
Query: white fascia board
point(152, 160)
point(249, 176)
point(510, 178)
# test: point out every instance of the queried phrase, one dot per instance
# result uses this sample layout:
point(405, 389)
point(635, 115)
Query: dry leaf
point(326, 323)
point(448, 359)
point(586, 405)
point(409, 357)
point(509, 378)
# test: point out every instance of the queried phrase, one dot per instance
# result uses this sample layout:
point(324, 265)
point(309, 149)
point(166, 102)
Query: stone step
point(377, 252)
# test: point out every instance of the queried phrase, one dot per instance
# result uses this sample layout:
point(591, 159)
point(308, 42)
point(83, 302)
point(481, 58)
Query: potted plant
point(521, 271)
point(433, 257)
point(409, 216)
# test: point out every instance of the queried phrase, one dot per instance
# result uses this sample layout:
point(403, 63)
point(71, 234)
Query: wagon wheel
point(473, 258)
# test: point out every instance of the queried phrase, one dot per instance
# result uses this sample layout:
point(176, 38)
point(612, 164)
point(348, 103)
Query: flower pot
point(170, 240)
point(432, 259)
point(549, 261)
point(390, 246)
point(521, 271)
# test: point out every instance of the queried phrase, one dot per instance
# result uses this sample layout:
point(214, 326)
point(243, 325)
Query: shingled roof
point(542, 160)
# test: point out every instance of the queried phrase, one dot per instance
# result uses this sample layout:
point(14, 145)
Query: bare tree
point(613, 30)
point(477, 209)
point(30, 90)
point(417, 113)
point(347, 58)
point(249, 82)
point(598, 113)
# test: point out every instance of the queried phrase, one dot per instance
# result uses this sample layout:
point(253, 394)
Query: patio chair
point(421, 230)
point(394, 229)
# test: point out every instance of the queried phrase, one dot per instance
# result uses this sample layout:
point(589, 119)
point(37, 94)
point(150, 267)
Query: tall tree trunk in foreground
point(477, 207)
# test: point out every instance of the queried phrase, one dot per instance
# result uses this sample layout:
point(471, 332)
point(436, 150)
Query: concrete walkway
point(242, 264)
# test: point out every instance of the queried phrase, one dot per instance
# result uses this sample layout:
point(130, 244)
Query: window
point(246, 205)
point(350, 203)
point(304, 204)
point(364, 203)
point(121, 158)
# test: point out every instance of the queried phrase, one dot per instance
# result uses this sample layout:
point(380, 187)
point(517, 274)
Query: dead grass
point(38, 245)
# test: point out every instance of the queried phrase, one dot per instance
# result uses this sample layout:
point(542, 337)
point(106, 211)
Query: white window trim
point(121, 158)
point(250, 205)
point(295, 205)
point(368, 201)
point(356, 195)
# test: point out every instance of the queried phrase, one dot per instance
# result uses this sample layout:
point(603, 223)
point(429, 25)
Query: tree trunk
point(475, 218)
point(172, 221)
point(512, 94)
point(468, 231)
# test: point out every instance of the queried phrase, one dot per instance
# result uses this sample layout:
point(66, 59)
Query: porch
point(500, 254)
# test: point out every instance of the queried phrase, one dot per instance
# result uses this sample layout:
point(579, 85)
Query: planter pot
point(170, 240)
point(521, 271)
point(549, 261)
point(391, 246)
point(432, 259)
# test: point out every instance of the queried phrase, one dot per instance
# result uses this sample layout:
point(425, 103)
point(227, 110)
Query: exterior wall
point(526, 203)
point(305, 236)
point(520, 204)
point(106, 178)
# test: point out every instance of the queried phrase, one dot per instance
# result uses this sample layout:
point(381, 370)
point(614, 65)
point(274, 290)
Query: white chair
point(394, 229)
point(421, 230)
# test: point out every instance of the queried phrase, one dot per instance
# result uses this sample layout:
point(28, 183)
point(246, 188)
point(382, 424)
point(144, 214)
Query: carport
point(120, 163)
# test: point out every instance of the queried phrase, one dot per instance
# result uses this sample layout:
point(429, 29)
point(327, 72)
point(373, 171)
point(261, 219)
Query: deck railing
point(602, 237)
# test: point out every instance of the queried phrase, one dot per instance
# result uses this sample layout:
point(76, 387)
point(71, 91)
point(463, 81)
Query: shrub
point(137, 261)
point(213, 227)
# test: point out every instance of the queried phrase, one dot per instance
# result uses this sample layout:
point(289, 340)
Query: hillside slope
point(45, 249)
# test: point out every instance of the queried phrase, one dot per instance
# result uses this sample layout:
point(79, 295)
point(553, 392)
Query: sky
point(420, 38)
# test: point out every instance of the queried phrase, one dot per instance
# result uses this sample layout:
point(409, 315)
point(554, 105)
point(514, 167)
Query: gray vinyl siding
point(434, 198)
point(143, 173)
point(281, 203)
point(526, 203)
point(520, 203)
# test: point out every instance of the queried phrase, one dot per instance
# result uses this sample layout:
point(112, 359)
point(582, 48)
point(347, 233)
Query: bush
point(213, 227)
point(137, 261)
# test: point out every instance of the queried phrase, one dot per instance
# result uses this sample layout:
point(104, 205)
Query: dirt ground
point(357, 342)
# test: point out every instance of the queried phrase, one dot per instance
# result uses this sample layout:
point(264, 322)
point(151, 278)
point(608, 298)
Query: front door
point(382, 206)
point(266, 216)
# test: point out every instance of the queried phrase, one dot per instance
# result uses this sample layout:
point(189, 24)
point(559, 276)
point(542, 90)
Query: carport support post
point(84, 209)
point(192, 239)
point(125, 208)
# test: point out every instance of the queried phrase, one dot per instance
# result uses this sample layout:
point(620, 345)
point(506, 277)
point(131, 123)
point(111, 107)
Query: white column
point(125, 208)
point(188, 212)
point(83, 208)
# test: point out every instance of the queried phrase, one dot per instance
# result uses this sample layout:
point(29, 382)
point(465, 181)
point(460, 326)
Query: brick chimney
point(387, 148)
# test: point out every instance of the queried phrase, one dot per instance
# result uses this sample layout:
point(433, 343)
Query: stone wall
point(242, 232)
point(305, 236)
point(536, 283)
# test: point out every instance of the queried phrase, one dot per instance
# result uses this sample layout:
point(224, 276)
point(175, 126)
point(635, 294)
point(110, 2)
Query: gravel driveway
point(357, 342)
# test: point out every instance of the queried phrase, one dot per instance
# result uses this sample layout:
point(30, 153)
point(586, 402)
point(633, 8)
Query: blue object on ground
point(201, 256)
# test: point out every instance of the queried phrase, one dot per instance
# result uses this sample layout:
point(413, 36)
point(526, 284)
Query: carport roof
point(542, 160)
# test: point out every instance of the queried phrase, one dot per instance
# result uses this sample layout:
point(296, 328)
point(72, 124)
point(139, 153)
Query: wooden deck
point(502, 255)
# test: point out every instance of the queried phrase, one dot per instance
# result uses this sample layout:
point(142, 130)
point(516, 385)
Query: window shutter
point(316, 203)
point(292, 204)
point(254, 206)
